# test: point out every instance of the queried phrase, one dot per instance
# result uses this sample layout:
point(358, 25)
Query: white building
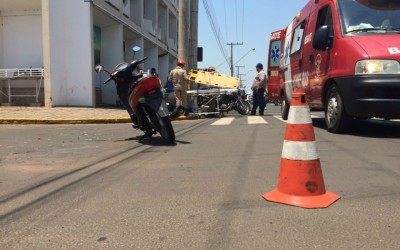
point(68, 37)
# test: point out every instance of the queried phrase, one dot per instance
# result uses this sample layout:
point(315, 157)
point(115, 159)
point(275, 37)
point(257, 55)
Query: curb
point(62, 121)
point(189, 117)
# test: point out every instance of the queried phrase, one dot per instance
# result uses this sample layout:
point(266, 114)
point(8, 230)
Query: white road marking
point(223, 121)
point(256, 120)
point(279, 117)
point(321, 116)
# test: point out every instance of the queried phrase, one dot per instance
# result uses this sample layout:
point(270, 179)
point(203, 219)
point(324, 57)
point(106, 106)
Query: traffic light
point(199, 54)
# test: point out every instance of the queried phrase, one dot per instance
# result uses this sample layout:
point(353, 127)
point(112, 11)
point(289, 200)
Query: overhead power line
point(242, 19)
point(215, 29)
point(226, 23)
point(236, 14)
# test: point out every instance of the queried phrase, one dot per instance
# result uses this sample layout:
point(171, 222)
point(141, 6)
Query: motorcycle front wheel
point(162, 125)
point(166, 129)
point(243, 107)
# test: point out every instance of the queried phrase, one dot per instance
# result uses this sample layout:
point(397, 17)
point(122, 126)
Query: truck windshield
point(363, 17)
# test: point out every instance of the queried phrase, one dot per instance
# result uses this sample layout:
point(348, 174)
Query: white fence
point(18, 73)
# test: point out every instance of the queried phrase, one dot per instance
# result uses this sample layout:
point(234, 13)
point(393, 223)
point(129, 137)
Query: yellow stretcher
point(214, 79)
point(206, 101)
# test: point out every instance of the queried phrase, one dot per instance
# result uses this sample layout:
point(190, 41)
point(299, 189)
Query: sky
point(243, 21)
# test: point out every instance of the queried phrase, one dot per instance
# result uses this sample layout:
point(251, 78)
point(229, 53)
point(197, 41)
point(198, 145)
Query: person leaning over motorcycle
point(179, 79)
point(258, 87)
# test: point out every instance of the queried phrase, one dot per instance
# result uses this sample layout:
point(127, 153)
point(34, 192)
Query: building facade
point(68, 38)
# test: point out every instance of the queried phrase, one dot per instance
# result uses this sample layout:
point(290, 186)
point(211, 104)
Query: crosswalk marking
point(253, 120)
point(279, 117)
point(321, 116)
point(250, 120)
point(223, 121)
point(256, 120)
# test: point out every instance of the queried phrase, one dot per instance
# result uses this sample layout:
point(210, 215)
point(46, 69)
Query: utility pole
point(182, 30)
point(240, 78)
point(194, 16)
point(238, 70)
point(232, 44)
point(239, 75)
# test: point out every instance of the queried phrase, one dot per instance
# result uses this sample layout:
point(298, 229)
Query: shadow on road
point(368, 128)
point(156, 141)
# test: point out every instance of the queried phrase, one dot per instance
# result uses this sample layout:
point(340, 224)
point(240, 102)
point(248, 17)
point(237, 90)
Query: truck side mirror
point(322, 41)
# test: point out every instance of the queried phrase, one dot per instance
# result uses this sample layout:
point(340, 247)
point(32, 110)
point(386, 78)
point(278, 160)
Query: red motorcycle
point(145, 98)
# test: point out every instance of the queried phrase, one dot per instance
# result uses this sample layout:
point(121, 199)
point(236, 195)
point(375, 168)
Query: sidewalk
point(63, 115)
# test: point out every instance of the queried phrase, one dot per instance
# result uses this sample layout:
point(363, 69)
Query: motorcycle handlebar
point(135, 63)
point(106, 81)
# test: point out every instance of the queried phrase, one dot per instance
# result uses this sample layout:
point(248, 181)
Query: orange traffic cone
point(300, 181)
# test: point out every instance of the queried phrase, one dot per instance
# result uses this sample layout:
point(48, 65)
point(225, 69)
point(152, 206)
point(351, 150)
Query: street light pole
point(248, 52)
point(248, 71)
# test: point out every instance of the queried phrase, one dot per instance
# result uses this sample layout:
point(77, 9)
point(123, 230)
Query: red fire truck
point(345, 54)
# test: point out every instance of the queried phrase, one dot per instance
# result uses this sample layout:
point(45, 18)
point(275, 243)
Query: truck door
point(275, 52)
point(317, 62)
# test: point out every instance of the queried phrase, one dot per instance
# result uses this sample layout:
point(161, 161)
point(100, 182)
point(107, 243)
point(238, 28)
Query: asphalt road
point(96, 187)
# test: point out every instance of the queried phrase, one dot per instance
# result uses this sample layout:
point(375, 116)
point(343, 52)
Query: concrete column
point(172, 62)
point(68, 53)
point(112, 53)
point(139, 42)
point(128, 49)
point(163, 68)
point(1, 43)
point(46, 54)
point(182, 30)
point(152, 61)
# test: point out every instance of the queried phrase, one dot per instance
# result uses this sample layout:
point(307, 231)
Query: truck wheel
point(284, 107)
point(336, 118)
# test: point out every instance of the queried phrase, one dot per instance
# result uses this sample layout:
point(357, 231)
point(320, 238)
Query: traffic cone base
point(318, 201)
point(301, 184)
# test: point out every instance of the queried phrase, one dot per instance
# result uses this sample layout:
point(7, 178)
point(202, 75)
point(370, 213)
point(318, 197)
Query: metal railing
point(8, 75)
point(18, 73)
